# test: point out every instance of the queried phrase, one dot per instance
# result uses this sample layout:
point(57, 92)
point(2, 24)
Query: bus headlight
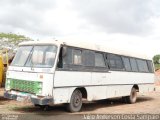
point(40, 91)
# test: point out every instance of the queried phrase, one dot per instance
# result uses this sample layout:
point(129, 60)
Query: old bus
point(54, 72)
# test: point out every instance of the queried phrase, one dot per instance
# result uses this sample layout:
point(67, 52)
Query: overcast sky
point(129, 24)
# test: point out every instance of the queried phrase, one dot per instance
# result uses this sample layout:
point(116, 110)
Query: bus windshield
point(35, 56)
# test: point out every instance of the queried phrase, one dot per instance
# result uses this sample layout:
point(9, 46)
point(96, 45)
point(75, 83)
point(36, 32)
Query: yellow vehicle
point(3, 65)
point(1, 71)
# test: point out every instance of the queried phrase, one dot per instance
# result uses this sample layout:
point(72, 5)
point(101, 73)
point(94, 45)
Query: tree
point(10, 40)
point(156, 60)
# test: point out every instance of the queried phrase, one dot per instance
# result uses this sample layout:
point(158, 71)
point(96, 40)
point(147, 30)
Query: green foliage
point(11, 36)
point(156, 60)
point(14, 38)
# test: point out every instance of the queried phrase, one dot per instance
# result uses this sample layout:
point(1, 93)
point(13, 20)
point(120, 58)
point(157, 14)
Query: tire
point(75, 102)
point(132, 98)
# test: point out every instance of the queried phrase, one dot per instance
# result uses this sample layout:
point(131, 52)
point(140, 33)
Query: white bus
point(54, 72)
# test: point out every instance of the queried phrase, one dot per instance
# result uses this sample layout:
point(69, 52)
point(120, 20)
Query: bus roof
point(91, 46)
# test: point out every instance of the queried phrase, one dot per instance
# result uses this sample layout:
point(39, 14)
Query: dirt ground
point(148, 103)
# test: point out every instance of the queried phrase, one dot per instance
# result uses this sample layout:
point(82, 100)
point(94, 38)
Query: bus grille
point(25, 86)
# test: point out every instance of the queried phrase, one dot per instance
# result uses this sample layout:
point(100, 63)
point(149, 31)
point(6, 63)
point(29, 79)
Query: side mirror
point(64, 51)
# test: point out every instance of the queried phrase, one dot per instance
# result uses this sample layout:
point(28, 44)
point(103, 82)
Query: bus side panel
point(65, 82)
point(146, 88)
point(99, 85)
point(71, 78)
point(62, 95)
point(128, 78)
point(105, 92)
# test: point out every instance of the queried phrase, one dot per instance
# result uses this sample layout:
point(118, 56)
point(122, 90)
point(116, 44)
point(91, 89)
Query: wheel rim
point(77, 100)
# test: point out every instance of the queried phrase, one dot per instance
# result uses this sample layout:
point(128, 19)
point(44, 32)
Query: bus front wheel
point(75, 101)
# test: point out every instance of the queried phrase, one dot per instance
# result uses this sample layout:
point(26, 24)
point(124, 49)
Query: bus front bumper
point(29, 98)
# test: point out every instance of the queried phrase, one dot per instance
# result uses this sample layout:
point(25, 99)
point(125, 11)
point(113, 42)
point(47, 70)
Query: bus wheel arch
point(83, 91)
point(136, 87)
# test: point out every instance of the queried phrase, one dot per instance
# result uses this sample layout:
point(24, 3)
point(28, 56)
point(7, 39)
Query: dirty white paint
point(61, 84)
point(101, 85)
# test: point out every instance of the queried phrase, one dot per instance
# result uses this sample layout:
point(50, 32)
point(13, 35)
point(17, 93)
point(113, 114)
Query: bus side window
point(77, 57)
point(88, 58)
point(134, 65)
point(142, 65)
point(99, 60)
point(115, 62)
point(150, 66)
point(127, 64)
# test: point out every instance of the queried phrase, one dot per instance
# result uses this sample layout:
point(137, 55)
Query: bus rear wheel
point(133, 96)
point(75, 101)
